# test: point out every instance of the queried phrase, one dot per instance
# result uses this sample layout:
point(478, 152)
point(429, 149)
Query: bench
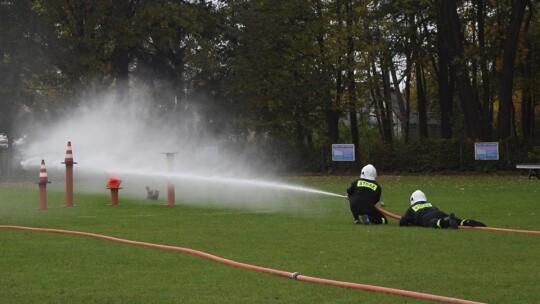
point(533, 169)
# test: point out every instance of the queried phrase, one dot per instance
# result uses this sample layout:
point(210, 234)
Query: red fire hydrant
point(114, 186)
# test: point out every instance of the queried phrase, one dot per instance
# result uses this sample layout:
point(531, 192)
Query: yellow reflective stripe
point(439, 223)
point(369, 185)
point(415, 208)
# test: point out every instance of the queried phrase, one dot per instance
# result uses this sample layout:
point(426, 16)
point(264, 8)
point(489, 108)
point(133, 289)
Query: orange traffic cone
point(43, 178)
point(43, 181)
point(69, 154)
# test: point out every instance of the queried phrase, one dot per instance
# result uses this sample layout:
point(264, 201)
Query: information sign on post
point(343, 152)
point(486, 151)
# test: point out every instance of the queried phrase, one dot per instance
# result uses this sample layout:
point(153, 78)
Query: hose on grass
point(293, 275)
point(397, 217)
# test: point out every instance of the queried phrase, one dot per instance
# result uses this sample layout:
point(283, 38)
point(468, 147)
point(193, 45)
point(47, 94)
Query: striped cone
point(69, 154)
point(43, 173)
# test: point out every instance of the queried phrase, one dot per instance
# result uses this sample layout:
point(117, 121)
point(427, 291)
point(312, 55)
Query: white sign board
point(343, 152)
point(486, 151)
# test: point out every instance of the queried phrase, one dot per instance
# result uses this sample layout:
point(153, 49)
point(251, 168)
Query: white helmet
point(369, 172)
point(418, 196)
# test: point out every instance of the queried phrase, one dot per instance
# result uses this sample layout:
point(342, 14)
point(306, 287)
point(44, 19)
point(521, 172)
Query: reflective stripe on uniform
point(369, 185)
point(415, 208)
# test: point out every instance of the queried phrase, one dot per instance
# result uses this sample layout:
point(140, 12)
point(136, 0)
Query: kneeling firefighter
point(363, 194)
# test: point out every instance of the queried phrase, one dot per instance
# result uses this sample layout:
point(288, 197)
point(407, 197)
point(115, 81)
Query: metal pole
point(114, 196)
point(69, 185)
point(42, 195)
point(170, 185)
point(68, 161)
point(42, 182)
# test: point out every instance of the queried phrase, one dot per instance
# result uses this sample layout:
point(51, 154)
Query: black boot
point(473, 223)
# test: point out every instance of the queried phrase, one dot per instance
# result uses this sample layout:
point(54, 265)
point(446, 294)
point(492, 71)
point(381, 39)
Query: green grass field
point(316, 238)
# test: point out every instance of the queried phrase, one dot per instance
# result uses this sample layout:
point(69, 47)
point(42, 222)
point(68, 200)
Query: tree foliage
point(300, 73)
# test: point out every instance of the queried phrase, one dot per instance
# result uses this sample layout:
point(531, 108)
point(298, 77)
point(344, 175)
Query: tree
point(21, 62)
point(508, 67)
point(444, 74)
point(350, 20)
point(330, 65)
point(283, 73)
point(529, 79)
point(469, 102)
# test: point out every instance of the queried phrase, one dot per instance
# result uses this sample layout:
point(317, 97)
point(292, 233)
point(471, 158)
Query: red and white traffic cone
point(42, 182)
point(68, 161)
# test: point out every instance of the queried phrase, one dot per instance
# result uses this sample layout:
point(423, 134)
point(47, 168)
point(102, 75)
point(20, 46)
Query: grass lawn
point(316, 237)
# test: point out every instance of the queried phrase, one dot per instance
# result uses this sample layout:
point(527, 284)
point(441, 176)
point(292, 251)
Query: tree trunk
point(332, 119)
point(387, 108)
point(122, 78)
point(469, 102)
point(381, 102)
point(422, 103)
point(352, 116)
point(331, 114)
point(407, 101)
point(504, 118)
point(527, 95)
point(403, 108)
point(351, 86)
point(527, 115)
point(487, 107)
point(377, 100)
point(445, 98)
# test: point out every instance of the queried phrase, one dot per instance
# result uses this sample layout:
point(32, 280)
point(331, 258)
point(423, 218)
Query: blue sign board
point(343, 152)
point(486, 150)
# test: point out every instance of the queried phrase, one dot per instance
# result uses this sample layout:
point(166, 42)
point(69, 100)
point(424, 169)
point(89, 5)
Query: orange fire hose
point(293, 275)
point(397, 217)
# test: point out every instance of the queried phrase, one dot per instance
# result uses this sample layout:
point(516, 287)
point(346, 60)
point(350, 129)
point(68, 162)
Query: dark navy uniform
point(426, 214)
point(363, 194)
